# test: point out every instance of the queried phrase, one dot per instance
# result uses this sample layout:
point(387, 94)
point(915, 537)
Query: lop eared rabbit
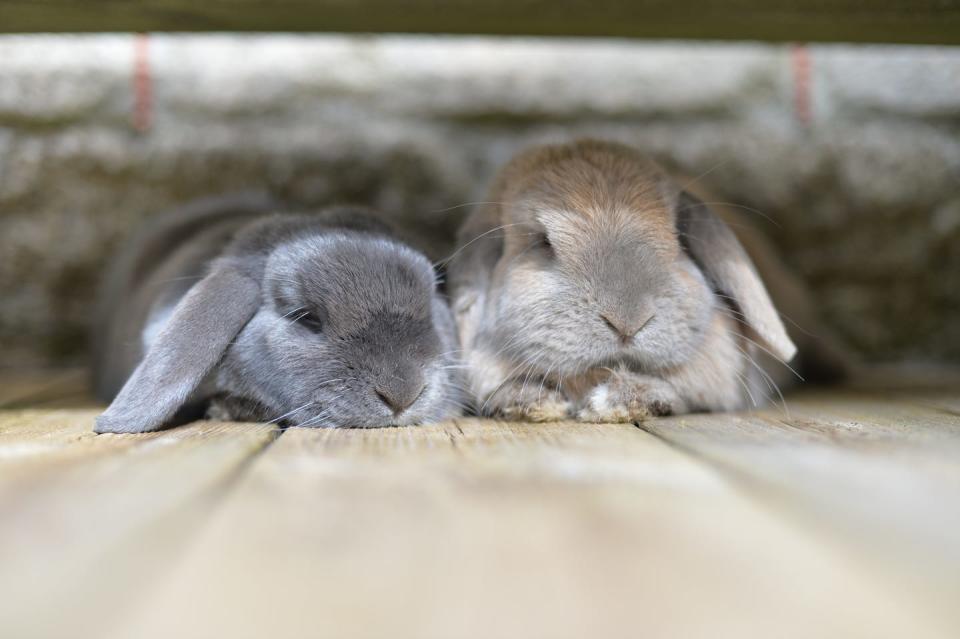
point(316, 319)
point(591, 285)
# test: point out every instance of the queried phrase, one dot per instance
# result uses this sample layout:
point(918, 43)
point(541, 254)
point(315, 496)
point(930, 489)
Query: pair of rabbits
point(590, 286)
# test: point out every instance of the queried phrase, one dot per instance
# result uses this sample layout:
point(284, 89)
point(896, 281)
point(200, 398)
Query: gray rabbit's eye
point(310, 321)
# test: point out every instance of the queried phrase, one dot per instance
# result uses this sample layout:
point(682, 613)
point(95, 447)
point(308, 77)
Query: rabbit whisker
point(706, 173)
point(460, 206)
point(746, 387)
point(768, 352)
point(287, 414)
point(772, 385)
point(316, 419)
point(738, 315)
point(509, 377)
point(296, 310)
point(482, 235)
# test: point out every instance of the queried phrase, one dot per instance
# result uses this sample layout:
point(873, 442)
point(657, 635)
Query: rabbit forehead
point(595, 194)
point(354, 274)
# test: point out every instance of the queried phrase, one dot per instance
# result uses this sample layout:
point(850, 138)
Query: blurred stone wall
point(859, 171)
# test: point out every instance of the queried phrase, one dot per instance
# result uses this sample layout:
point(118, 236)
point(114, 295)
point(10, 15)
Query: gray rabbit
point(318, 319)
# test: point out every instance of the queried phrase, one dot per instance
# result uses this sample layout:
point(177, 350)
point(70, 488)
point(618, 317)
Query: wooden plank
point(86, 521)
point(878, 472)
point(933, 386)
point(486, 529)
point(949, 405)
point(898, 21)
point(44, 388)
point(43, 436)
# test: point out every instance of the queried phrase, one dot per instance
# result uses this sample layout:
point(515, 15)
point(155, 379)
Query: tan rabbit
point(592, 286)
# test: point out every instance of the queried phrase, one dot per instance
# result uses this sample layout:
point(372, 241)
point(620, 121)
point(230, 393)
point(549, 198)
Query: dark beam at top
point(894, 21)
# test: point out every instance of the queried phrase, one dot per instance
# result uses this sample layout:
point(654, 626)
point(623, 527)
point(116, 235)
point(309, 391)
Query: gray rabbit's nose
point(399, 396)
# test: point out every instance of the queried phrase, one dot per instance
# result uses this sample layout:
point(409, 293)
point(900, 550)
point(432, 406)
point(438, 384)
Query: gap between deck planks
point(706, 526)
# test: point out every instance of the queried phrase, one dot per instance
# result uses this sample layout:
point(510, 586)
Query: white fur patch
point(469, 309)
point(486, 372)
point(600, 398)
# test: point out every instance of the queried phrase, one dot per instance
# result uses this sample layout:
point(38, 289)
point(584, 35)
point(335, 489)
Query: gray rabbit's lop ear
point(191, 343)
point(718, 253)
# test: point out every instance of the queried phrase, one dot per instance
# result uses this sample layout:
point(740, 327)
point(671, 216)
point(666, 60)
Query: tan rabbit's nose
point(625, 330)
point(399, 397)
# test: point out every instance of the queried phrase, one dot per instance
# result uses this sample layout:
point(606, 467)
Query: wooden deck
point(839, 517)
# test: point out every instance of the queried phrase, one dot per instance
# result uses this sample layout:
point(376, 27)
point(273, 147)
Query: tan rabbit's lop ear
point(191, 343)
point(718, 253)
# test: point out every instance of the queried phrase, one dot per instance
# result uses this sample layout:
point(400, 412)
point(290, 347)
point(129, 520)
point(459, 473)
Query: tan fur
point(532, 316)
point(598, 183)
point(822, 355)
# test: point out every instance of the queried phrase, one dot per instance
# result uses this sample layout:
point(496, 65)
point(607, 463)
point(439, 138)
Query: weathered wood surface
point(879, 474)
point(86, 519)
point(494, 530)
point(921, 22)
point(837, 518)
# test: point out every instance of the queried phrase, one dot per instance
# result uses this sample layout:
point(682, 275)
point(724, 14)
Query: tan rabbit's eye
point(543, 241)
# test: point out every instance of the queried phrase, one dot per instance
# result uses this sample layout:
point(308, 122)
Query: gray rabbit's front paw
point(528, 401)
point(629, 397)
point(219, 410)
point(230, 408)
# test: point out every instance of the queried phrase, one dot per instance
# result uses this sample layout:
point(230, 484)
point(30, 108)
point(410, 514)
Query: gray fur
point(378, 347)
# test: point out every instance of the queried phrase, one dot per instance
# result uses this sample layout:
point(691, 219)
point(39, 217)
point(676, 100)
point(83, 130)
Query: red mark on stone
point(801, 64)
point(142, 84)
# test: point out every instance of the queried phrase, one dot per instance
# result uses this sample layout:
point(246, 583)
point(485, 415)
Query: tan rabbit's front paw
point(627, 397)
point(528, 402)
